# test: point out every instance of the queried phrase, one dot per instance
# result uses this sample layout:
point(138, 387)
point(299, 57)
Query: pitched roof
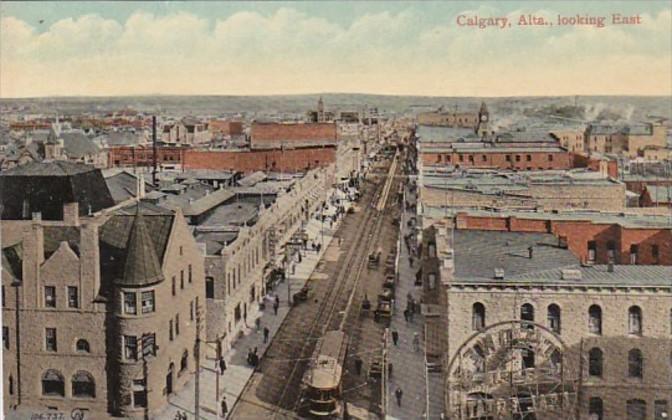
point(116, 261)
point(142, 266)
point(54, 168)
point(12, 260)
point(252, 179)
point(77, 145)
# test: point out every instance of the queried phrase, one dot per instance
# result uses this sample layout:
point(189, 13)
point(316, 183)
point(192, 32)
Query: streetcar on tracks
point(322, 381)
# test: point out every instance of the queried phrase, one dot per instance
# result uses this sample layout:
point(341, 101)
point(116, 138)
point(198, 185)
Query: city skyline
point(175, 48)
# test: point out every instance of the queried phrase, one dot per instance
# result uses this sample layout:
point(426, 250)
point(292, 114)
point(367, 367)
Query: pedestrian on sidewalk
point(358, 365)
point(398, 393)
point(257, 324)
point(416, 341)
point(395, 337)
point(225, 408)
point(222, 365)
point(275, 307)
point(266, 331)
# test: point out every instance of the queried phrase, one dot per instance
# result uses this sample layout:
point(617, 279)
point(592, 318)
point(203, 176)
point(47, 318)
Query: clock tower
point(483, 120)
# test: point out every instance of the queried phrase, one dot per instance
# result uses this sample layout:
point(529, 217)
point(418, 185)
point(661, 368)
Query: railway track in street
point(278, 383)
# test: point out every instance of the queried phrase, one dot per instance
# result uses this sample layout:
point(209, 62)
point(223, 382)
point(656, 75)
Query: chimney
point(610, 266)
point(140, 188)
point(90, 261)
point(71, 214)
point(530, 251)
point(499, 274)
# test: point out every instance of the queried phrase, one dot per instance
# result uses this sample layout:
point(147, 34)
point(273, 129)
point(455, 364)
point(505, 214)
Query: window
point(484, 158)
point(236, 313)
point(148, 302)
point(611, 250)
point(174, 285)
point(655, 253)
point(471, 158)
point(634, 250)
point(170, 330)
point(181, 279)
point(130, 305)
point(53, 384)
point(139, 393)
point(5, 337)
point(11, 384)
point(432, 281)
point(191, 310)
point(184, 361)
point(508, 158)
point(635, 364)
point(595, 360)
point(550, 158)
point(190, 274)
point(210, 287)
point(636, 409)
point(527, 314)
point(595, 319)
point(660, 410)
point(253, 293)
point(517, 158)
point(181, 250)
point(130, 347)
point(50, 339)
point(478, 316)
point(592, 251)
point(460, 158)
point(149, 344)
point(83, 385)
point(3, 296)
point(438, 159)
point(73, 297)
point(50, 296)
point(177, 324)
point(635, 320)
point(82, 346)
point(595, 409)
point(528, 158)
point(554, 318)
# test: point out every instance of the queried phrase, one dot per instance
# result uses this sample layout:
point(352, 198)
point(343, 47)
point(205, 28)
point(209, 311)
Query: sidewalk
point(238, 372)
point(408, 365)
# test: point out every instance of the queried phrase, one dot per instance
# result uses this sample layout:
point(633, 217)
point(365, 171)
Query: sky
point(396, 48)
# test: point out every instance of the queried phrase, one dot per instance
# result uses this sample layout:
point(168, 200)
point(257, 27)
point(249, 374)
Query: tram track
point(332, 312)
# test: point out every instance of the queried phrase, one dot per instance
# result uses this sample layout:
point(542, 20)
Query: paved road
point(238, 372)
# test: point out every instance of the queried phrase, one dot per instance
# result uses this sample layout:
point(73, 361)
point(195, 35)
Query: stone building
point(529, 329)
point(446, 118)
point(630, 140)
point(240, 260)
point(100, 313)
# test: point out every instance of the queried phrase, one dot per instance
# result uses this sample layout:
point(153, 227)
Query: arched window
point(636, 409)
point(635, 363)
point(53, 383)
point(595, 319)
point(527, 314)
point(83, 346)
point(556, 360)
point(478, 316)
point(595, 358)
point(554, 318)
point(595, 409)
point(83, 385)
point(635, 320)
point(184, 361)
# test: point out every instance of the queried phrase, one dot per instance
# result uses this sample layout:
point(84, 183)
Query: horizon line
point(326, 93)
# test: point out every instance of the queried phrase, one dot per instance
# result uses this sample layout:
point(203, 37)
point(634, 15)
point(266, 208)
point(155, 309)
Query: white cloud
point(292, 52)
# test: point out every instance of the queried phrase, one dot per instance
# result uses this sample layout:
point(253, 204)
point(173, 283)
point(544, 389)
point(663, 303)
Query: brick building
point(143, 155)
point(552, 190)
point(277, 160)
point(99, 312)
point(292, 135)
point(630, 140)
point(463, 148)
point(595, 238)
point(588, 340)
point(445, 118)
point(219, 128)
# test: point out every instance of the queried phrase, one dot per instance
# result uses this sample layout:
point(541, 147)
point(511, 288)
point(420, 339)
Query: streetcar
point(322, 381)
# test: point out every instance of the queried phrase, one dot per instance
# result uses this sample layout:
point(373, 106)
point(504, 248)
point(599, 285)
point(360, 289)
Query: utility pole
point(197, 357)
point(154, 150)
